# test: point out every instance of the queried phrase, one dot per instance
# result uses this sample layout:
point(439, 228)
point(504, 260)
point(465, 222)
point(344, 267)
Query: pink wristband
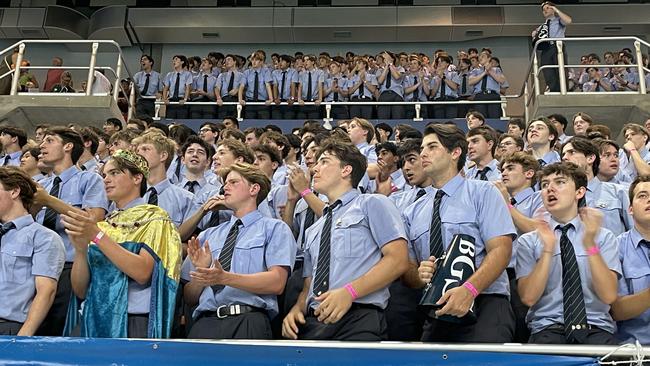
point(593, 250)
point(351, 291)
point(98, 237)
point(305, 192)
point(471, 288)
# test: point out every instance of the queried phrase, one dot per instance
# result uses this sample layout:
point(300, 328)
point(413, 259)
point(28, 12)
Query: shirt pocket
point(637, 278)
point(613, 214)
point(459, 221)
point(249, 256)
point(419, 242)
point(349, 236)
point(16, 263)
point(609, 206)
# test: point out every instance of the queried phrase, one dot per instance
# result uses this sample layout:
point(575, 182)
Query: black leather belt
point(355, 306)
point(9, 321)
point(575, 327)
point(225, 311)
point(298, 264)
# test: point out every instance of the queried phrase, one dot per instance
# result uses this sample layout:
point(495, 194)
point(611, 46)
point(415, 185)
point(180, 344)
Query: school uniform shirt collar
point(594, 184)
point(201, 181)
point(68, 173)
point(362, 145)
point(523, 195)
point(494, 165)
point(396, 175)
point(136, 202)
point(38, 177)
point(348, 196)
point(248, 219)
point(90, 164)
point(160, 187)
point(636, 237)
point(451, 187)
point(15, 155)
point(574, 234)
point(23, 221)
point(577, 225)
point(549, 157)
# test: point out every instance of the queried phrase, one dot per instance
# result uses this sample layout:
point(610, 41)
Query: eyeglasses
point(506, 144)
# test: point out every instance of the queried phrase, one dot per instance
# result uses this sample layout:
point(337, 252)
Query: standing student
point(159, 150)
point(610, 198)
point(581, 122)
point(390, 79)
point(362, 85)
point(518, 178)
point(335, 90)
point(444, 88)
point(255, 86)
point(414, 87)
point(285, 80)
point(310, 89)
point(227, 87)
point(487, 81)
point(176, 88)
point(541, 136)
point(632, 307)
point(403, 319)
point(361, 132)
point(457, 205)
point(635, 157)
point(197, 158)
point(129, 262)
point(465, 91)
point(560, 122)
point(554, 26)
point(481, 146)
point(12, 140)
point(236, 270)
point(149, 84)
point(352, 254)
point(205, 211)
point(34, 254)
point(203, 90)
point(67, 186)
point(567, 269)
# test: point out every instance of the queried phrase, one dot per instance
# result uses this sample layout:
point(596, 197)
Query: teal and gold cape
point(105, 309)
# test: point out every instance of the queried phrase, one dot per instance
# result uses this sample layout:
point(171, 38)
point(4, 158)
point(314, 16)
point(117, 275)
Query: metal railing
point(329, 105)
point(531, 86)
point(115, 73)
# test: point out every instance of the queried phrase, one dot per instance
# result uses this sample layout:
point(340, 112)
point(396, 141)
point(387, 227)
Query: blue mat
point(79, 351)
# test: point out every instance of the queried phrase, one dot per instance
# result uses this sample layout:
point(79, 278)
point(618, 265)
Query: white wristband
point(98, 237)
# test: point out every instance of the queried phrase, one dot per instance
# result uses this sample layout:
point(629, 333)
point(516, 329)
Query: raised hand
point(201, 256)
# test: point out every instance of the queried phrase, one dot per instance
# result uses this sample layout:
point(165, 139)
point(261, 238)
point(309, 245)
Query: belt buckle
point(219, 312)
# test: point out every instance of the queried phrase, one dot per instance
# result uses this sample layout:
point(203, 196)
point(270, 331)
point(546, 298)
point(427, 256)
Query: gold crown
point(134, 158)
